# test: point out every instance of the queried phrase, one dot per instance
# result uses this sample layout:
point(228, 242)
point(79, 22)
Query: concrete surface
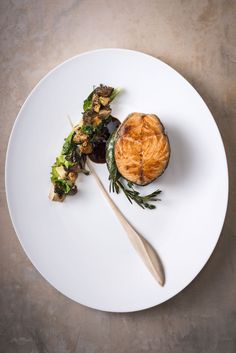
point(198, 38)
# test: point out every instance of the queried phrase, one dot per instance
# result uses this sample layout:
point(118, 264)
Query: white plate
point(79, 246)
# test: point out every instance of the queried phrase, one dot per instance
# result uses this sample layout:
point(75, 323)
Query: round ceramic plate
point(79, 246)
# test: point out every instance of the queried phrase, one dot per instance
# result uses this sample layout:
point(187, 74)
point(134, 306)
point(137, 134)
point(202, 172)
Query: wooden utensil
point(141, 245)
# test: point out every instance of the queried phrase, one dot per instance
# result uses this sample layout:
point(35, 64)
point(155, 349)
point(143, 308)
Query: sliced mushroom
point(104, 113)
point(53, 196)
point(72, 176)
point(86, 148)
point(104, 91)
point(88, 116)
point(96, 103)
point(96, 121)
point(80, 137)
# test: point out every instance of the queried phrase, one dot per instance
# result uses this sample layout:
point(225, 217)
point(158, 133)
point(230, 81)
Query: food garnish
point(82, 141)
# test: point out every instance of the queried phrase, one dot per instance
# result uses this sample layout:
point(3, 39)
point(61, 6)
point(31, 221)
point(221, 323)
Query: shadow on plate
point(182, 158)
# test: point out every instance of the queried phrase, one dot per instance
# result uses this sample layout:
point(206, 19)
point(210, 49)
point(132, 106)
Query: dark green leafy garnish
point(115, 92)
point(88, 102)
point(68, 144)
point(114, 174)
point(88, 129)
point(63, 185)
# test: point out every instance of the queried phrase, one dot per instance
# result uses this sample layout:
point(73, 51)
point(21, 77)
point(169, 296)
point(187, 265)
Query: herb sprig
point(142, 200)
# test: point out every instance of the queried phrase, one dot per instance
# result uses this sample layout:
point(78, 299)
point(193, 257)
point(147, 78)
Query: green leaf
point(64, 185)
point(114, 93)
point(54, 174)
point(87, 129)
point(68, 144)
point(114, 175)
point(61, 160)
point(88, 102)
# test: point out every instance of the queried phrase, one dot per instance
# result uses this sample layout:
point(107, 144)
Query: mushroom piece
point(73, 190)
point(88, 115)
point(53, 196)
point(104, 113)
point(104, 91)
point(96, 121)
point(72, 176)
point(86, 148)
point(80, 137)
point(96, 103)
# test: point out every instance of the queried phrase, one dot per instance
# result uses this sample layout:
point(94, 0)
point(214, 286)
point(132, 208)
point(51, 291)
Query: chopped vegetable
point(104, 100)
point(79, 143)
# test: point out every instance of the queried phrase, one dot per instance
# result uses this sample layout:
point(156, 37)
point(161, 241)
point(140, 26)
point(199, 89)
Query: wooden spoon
point(141, 245)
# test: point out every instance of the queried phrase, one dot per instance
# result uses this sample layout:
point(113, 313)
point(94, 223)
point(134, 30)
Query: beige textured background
point(198, 38)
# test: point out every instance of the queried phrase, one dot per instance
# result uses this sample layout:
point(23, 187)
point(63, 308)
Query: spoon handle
point(141, 245)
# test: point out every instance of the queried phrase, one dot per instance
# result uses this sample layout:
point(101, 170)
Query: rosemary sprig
point(133, 195)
